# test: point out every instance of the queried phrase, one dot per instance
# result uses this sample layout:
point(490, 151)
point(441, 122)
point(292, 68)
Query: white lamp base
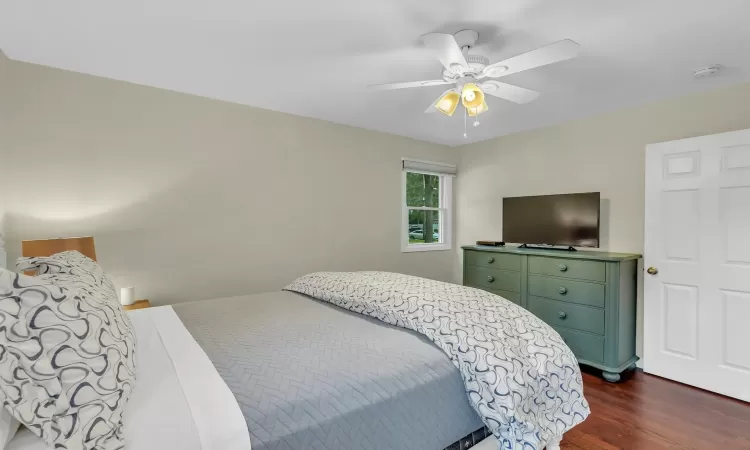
point(127, 296)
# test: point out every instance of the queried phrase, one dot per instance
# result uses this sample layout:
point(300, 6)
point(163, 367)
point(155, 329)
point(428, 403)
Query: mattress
point(309, 375)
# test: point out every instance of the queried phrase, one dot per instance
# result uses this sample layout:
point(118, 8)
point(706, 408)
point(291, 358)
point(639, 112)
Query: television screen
point(566, 219)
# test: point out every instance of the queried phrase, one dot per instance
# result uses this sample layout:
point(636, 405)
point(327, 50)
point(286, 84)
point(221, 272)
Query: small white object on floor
point(492, 444)
point(127, 296)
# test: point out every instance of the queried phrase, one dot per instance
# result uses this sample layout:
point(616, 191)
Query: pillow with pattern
point(67, 359)
point(71, 263)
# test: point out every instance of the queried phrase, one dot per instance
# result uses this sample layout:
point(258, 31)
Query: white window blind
point(415, 165)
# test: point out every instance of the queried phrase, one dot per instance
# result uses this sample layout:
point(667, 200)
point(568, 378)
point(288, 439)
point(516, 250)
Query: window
point(427, 192)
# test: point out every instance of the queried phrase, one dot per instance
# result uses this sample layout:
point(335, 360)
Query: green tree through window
point(423, 203)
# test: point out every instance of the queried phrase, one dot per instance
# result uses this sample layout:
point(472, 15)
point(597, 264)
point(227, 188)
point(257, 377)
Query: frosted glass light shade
point(448, 103)
point(472, 96)
point(477, 111)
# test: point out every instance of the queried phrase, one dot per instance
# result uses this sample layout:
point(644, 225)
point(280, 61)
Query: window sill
point(424, 248)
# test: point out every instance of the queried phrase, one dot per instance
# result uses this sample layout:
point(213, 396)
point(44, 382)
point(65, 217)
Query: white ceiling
point(314, 58)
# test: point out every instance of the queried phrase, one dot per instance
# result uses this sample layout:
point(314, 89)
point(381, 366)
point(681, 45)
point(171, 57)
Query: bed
point(333, 363)
point(322, 378)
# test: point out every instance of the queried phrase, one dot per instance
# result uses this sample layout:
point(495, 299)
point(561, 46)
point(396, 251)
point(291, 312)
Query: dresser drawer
point(492, 260)
point(514, 297)
point(483, 277)
point(585, 346)
point(568, 315)
point(568, 268)
point(567, 290)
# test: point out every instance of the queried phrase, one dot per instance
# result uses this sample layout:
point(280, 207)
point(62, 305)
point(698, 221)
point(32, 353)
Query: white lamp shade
point(127, 295)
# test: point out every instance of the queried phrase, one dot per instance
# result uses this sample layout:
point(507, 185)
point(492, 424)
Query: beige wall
point(190, 198)
point(603, 153)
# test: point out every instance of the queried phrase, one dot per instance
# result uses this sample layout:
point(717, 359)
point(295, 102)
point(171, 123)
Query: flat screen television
point(565, 219)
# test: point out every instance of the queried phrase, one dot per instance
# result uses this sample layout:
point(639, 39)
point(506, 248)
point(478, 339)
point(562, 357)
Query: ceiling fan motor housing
point(477, 63)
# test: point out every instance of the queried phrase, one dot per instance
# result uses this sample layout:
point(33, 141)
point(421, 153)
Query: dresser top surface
point(580, 254)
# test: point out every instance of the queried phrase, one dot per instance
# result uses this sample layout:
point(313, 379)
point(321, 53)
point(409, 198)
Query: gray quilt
point(309, 375)
point(519, 375)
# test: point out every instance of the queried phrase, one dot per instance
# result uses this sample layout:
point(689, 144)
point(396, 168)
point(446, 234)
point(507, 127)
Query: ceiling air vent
point(707, 71)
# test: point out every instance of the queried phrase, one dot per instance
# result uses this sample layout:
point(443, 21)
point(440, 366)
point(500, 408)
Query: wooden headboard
point(48, 247)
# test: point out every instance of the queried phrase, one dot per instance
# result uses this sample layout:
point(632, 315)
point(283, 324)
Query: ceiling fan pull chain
point(465, 116)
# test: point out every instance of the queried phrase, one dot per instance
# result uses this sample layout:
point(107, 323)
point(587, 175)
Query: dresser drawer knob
point(562, 290)
point(490, 260)
point(562, 267)
point(490, 278)
point(562, 314)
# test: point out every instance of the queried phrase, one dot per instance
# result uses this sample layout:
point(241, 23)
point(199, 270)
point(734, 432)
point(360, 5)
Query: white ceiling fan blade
point(432, 107)
point(446, 49)
point(515, 94)
point(410, 84)
point(559, 51)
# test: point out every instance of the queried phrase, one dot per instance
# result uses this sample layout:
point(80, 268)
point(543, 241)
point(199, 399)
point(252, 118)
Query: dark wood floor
point(646, 412)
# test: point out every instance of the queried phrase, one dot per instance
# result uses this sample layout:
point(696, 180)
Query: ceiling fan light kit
point(448, 103)
point(471, 96)
point(473, 112)
point(466, 71)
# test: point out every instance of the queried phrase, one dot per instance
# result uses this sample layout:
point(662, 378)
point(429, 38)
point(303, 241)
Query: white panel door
point(697, 255)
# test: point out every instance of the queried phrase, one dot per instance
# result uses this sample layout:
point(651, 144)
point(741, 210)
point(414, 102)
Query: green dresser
point(588, 297)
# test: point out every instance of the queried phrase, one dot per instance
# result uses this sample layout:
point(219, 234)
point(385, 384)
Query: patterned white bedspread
point(521, 378)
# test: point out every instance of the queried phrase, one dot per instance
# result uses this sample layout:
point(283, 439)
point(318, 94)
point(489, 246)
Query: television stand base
point(569, 248)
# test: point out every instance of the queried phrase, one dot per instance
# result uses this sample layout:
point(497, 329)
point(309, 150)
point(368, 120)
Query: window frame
point(445, 209)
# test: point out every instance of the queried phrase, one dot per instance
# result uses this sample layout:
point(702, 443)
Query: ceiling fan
point(469, 73)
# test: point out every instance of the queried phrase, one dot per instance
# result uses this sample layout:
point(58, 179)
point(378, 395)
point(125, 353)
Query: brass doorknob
point(652, 270)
